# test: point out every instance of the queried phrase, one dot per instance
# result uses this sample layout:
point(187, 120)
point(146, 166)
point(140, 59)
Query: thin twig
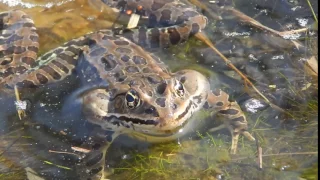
point(259, 151)
point(61, 152)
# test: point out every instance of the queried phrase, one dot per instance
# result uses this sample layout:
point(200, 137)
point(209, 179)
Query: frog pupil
point(179, 89)
point(129, 98)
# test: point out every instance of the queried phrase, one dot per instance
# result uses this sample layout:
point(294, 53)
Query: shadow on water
point(289, 141)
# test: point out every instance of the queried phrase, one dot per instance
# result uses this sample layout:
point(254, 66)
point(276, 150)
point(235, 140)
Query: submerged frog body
point(130, 90)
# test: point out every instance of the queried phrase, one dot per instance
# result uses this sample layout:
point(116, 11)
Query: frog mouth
point(120, 119)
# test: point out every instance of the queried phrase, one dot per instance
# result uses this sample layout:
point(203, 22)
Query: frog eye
point(178, 87)
point(132, 99)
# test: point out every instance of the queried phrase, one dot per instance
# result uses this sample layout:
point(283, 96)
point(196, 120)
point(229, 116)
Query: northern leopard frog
point(130, 90)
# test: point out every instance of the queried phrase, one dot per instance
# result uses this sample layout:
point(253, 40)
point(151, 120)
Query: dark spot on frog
point(5, 62)
point(109, 37)
point(51, 71)
point(68, 58)
point(97, 51)
point(161, 102)
point(19, 50)
point(219, 103)
point(174, 35)
point(57, 51)
point(121, 79)
point(150, 93)
point(238, 119)
point(216, 92)
point(132, 69)
point(121, 43)
point(33, 48)
point(174, 106)
point(60, 66)
point(27, 60)
point(109, 62)
point(161, 88)
point(154, 79)
point(195, 105)
point(123, 50)
point(41, 78)
point(120, 76)
point(206, 105)
point(139, 60)
point(125, 58)
point(198, 99)
point(229, 111)
point(195, 28)
point(91, 42)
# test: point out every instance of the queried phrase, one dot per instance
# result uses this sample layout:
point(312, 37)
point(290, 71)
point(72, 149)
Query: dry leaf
point(32, 175)
point(311, 66)
point(297, 44)
point(306, 87)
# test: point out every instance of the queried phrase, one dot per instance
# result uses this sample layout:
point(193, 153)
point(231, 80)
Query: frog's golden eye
point(132, 99)
point(178, 87)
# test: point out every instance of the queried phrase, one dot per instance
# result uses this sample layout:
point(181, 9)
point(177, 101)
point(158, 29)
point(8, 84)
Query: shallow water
point(289, 140)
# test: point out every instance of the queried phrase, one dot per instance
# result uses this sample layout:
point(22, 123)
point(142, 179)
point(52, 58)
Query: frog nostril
point(174, 106)
point(152, 111)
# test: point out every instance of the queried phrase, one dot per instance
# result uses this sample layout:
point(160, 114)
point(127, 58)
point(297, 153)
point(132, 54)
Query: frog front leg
point(92, 165)
point(97, 108)
point(232, 115)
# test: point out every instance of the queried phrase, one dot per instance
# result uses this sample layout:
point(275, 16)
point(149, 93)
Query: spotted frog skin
point(131, 90)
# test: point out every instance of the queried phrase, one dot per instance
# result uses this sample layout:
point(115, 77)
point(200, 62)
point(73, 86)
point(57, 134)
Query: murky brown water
point(289, 140)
